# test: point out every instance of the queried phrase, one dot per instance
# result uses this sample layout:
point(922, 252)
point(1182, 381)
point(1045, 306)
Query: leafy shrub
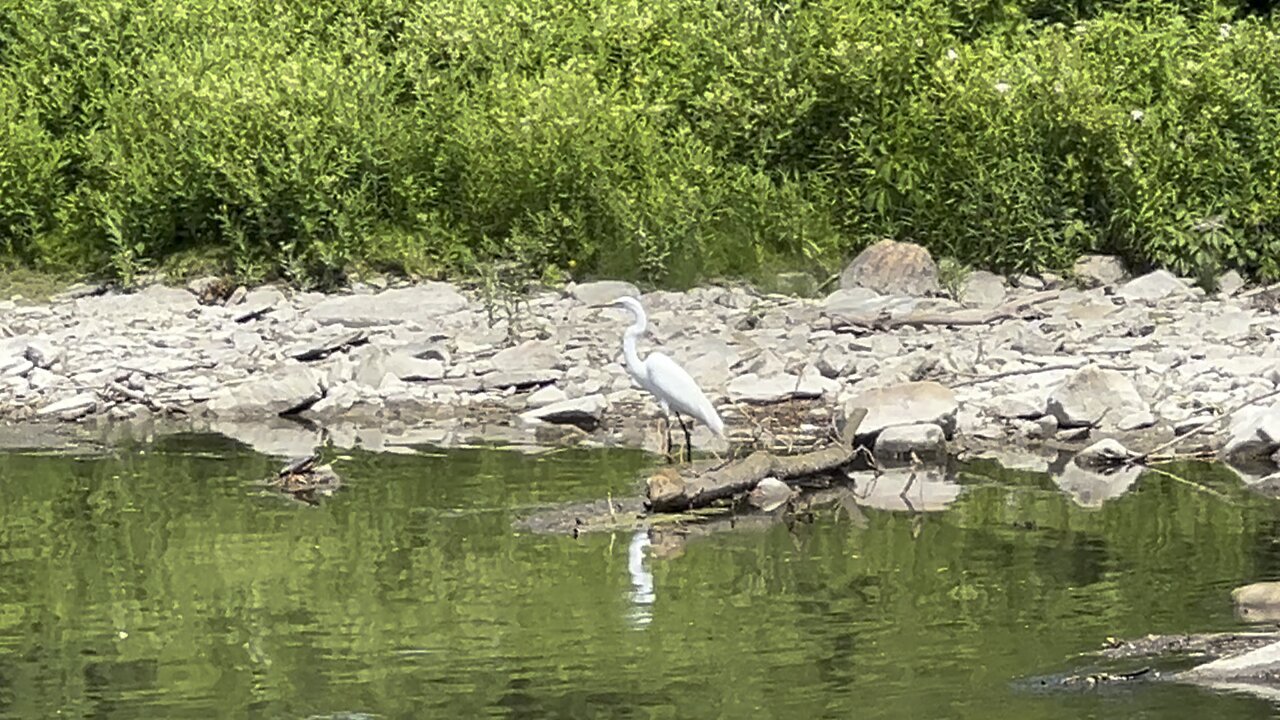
point(669, 140)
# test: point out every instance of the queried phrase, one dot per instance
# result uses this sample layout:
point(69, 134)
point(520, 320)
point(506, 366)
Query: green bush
point(670, 140)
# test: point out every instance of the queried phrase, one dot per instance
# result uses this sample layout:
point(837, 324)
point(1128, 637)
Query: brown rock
point(893, 268)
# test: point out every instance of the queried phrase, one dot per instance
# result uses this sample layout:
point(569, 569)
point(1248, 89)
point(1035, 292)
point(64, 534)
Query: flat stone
point(903, 441)
point(752, 388)
point(426, 301)
point(601, 292)
point(42, 353)
point(288, 391)
point(909, 403)
point(519, 379)
point(528, 355)
point(71, 408)
point(1098, 270)
point(1230, 284)
point(545, 396)
point(893, 268)
point(584, 412)
point(317, 348)
point(1092, 392)
point(1028, 404)
point(1136, 420)
point(1153, 287)
point(983, 289)
point(1254, 433)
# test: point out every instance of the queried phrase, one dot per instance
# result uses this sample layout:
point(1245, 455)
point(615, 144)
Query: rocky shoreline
point(1032, 363)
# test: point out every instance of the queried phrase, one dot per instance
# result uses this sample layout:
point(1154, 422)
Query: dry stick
point(1195, 485)
point(1034, 370)
point(1008, 311)
point(1139, 459)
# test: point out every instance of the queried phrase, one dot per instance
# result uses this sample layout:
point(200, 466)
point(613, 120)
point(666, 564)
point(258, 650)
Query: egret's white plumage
point(662, 377)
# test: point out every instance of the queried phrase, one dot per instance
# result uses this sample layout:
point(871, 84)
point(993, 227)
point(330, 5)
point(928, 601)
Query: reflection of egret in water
point(641, 580)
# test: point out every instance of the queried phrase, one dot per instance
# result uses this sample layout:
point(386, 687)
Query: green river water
point(164, 582)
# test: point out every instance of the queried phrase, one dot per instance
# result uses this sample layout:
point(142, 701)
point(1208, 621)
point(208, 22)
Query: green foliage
point(667, 141)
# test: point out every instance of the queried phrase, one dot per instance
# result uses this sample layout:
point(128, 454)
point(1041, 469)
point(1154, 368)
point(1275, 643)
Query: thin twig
point(1040, 369)
point(1197, 486)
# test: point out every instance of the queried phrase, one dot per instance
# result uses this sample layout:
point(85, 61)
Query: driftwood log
point(696, 487)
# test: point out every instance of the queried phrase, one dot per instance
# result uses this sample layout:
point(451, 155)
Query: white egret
point(669, 384)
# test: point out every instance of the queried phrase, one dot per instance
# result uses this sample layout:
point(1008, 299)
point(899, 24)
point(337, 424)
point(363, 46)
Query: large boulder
point(910, 403)
point(584, 412)
point(389, 307)
point(1254, 433)
point(1092, 393)
point(890, 267)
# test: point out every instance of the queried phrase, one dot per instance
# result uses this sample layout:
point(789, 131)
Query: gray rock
point(42, 353)
point(1258, 602)
point(71, 408)
point(1153, 287)
point(427, 301)
point(983, 289)
point(340, 397)
point(15, 366)
point(275, 437)
point(321, 347)
point(288, 391)
point(903, 441)
point(769, 494)
point(545, 396)
point(528, 355)
point(601, 292)
point(752, 388)
point(1136, 421)
point(1028, 404)
point(893, 268)
point(1230, 284)
point(910, 403)
point(1253, 433)
point(1103, 454)
point(1098, 270)
point(518, 379)
point(1092, 392)
point(584, 412)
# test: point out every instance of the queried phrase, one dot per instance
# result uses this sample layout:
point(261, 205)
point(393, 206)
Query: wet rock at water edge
point(287, 392)
point(893, 268)
point(1253, 433)
point(1092, 271)
point(1258, 602)
point(1091, 488)
point(583, 412)
point(905, 442)
point(1106, 453)
point(911, 403)
point(72, 408)
point(770, 494)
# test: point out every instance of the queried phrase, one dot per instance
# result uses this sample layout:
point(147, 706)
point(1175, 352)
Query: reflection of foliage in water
point(408, 592)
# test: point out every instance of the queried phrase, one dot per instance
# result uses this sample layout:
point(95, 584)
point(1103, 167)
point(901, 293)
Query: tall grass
point(667, 140)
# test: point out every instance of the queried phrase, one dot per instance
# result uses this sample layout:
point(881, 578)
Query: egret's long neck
point(629, 344)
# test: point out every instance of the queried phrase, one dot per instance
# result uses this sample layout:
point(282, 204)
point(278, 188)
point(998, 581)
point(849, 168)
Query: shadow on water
point(165, 581)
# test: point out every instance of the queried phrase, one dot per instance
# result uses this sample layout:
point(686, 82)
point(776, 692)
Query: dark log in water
point(698, 486)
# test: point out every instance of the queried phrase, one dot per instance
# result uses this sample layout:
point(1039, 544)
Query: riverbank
point(1039, 367)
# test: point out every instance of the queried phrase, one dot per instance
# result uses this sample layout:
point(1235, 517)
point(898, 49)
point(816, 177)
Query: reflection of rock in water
point(1091, 488)
point(905, 489)
point(642, 595)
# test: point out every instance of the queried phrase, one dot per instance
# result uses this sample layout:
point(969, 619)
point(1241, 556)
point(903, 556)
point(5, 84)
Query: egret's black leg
point(688, 440)
point(666, 421)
